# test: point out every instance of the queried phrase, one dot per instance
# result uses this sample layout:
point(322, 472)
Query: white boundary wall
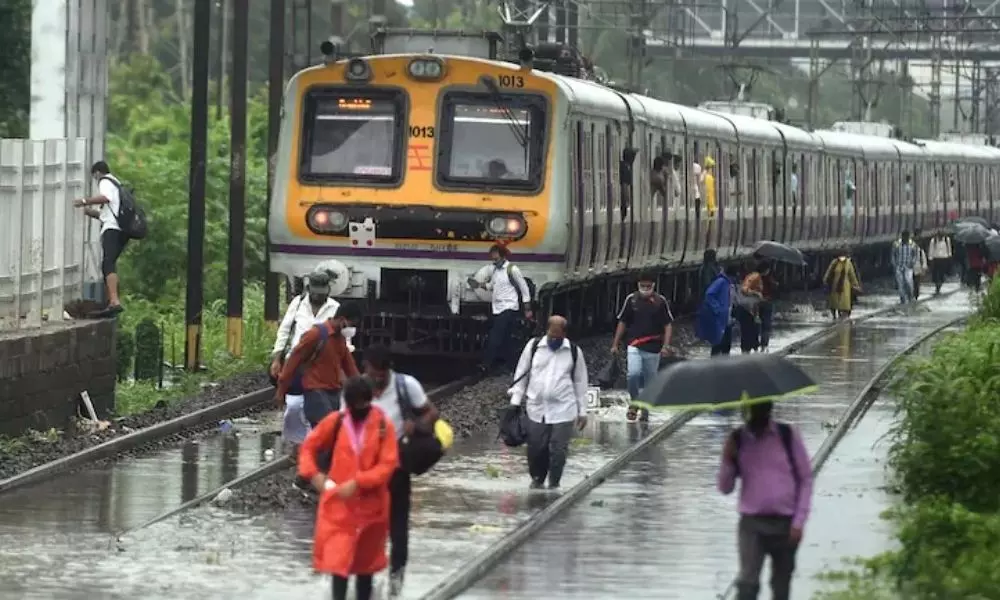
point(69, 82)
point(41, 233)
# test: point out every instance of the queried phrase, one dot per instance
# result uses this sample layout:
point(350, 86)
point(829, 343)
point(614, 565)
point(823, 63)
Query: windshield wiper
point(498, 100)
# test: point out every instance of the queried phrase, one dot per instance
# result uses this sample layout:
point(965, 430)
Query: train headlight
point(426, 69)
point(357, 70)
point(506, 226)
point(322, 219)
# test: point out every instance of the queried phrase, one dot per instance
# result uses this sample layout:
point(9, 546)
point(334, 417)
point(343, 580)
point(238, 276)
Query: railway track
point(468, 496)
point(657, 512)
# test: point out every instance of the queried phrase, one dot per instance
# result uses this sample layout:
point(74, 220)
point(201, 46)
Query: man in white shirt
point(551, 382)
point(510, 294)
point(311, 308)
point(113, 241)
point(389, 386)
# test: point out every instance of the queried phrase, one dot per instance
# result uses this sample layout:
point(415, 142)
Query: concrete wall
point(42, 373)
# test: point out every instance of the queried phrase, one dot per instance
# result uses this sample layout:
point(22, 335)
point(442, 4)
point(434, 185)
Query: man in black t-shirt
point(645, 322)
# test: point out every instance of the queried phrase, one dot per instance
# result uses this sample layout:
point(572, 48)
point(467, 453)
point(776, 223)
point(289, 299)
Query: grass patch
point(133, 397)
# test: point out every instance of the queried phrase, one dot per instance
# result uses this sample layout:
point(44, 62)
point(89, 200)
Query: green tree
point(15, 67)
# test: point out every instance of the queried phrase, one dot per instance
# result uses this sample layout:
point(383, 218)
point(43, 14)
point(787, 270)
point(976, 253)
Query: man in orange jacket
point(352, 522)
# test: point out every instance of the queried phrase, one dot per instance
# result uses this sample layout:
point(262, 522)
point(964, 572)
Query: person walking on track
point(646, 322)
point(398, 396)
point(775, 498)
point(714, 323)
point(305, 311)
point(841, 281)
point(511, 295)
point(323, 362)
point(904, 260)
point(352, 521)
point(551, 383)
point(920, 266)
point(939, 254)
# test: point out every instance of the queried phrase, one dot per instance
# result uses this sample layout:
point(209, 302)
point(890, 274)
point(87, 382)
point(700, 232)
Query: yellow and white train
point(398, 172)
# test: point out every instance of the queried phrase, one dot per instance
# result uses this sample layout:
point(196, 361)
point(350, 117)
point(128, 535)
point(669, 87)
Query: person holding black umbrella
point(775, 498)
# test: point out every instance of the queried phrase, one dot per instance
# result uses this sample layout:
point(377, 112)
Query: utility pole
point(196, 195)
point(237, 178)
point(275, 89)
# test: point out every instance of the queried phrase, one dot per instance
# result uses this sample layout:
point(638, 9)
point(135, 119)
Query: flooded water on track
point(661, 525)
point(64, 549)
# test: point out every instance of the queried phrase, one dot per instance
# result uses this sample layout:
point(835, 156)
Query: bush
point(945, 461)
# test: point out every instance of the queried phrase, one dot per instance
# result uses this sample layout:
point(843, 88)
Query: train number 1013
point(421, 132)
point(511, 81)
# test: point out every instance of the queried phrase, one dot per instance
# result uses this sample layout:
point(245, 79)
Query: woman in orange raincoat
point(352, 522)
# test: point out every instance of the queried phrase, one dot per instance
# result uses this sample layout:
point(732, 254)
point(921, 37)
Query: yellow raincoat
point(842, 278)
point(710, 185)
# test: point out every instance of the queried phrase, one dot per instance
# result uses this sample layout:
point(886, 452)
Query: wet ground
point(660, 524)
point(56, 542)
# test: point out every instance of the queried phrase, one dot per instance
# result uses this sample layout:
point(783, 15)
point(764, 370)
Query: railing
point(43, 238)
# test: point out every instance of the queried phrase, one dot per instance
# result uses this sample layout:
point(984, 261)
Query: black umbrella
point(993, 247)
point(778, 252)
point(977, 220)
point(729, 382)
point(957, 226)
point(972, 234)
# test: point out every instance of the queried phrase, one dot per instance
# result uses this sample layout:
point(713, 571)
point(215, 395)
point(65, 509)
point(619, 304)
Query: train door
point(652, 149)
point(693, 201)
point(578, 216)
point(729, 181)
point(642, 218)
point(711, 189)
point(593, 240)
point(677, 198)
point(776, 195)
point(619, 207)
point(602, 235)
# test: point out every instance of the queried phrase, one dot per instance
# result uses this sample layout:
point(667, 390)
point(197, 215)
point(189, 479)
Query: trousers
point(904, 284)
point(501, 344)
point(725, 346)
point(400, 490)
point(641, 367)
point(760, 537)
point(316, 405)
point(548, 447)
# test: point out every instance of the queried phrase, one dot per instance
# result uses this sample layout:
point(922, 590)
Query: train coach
point(398, 172)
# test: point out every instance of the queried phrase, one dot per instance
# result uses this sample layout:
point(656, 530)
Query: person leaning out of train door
point(551, 383)
point(392, 391)
point(775, 498)
point(904, 260)
point(312, 307)
point(511, 295)
point(939, 254)
point(841, 281)
point(709, 183)
point(324, 362)
point(646, 322)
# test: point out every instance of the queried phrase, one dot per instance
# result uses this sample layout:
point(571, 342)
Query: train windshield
point(492, 141)
point(352, 137)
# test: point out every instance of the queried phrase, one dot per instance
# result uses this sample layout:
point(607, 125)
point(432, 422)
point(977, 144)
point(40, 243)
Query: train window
point(514, 124)
point(354, 136)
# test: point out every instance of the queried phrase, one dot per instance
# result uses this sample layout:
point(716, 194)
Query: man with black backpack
point(405, 403)
point(775, 498)
point(551, 384)
point(121, 220)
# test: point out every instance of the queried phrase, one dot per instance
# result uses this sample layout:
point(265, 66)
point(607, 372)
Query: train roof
point(952, 151)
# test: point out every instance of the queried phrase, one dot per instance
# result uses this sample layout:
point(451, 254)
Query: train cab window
point(353, 136)
point(513, 159)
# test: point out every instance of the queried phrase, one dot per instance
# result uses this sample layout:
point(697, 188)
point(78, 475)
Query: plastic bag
point(513, 426)
point(607, 376)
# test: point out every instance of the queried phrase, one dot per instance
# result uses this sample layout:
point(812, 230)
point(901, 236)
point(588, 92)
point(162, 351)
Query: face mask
point(359, 414)
point(645, 292)
point(555, 344)
point(349, 332)
point(317, 299)
point(498, 263)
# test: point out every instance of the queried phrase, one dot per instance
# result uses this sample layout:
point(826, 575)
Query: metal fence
point(43, 238)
